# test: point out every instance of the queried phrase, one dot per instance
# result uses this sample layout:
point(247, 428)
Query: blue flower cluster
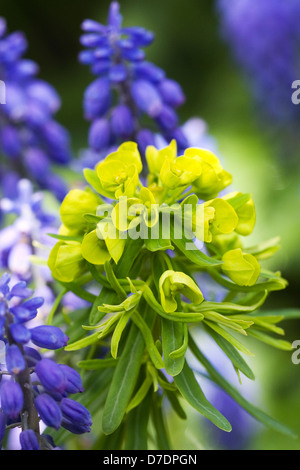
point(131, 97)
point(264, 36)
point(37, 387)
point(30, 226)
point(30, 138)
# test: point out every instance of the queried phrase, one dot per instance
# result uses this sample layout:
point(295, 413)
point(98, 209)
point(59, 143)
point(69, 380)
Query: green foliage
point(148, 293)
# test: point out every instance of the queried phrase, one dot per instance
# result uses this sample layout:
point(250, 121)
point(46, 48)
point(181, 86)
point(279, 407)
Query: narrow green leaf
point(118, 333)
point(192, 392)
point(111, 277)
point(162, 435)
point(137, 426)
point(148, 338)
point(140, 394)
point(106, 296)
point(276, 343)
point(73, 238)
point(83, 342)
point(237, 360)
point(96, 364)
point(125, 378)
point(228, 388)
point(195, 255)
point(172, 339)
point(228, 337)
point(174, 402)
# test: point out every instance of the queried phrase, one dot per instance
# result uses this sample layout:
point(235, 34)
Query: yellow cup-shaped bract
point(75, 205)
point(172, 283)
point(66, 262)
point(213, 178)
point(241, 268)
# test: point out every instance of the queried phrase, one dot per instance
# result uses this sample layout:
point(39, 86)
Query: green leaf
point(237, 360)
point(74, 238)
point(228, 337)
point(106, 296)
point(124, 379)
point(230, 307)
point(276, 343)
point(83, 342)
point(111, 277)
point(264, 250)
point(172, 339)
point(148, 338)
point(131, 251)
point(195, 255)
point(162, 435)
point(137, 426)
point(118, 333)
point(140, 394)
point(228, 388)
point(277, 283)
point(174, 402)
point(192, 392)
point(286, 313)
point(96, 364)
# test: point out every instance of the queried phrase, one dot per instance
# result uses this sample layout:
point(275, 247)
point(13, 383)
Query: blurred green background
point(189, 47)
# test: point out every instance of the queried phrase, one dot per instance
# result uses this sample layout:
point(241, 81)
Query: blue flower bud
point(23, 314)
point(29, 440)
point(15, 361)
point(21, 290)
point(99, 134)
point(149, 71)
point(167, 118)
point(74, 383)
point(51, 376)
point(49, 337)
point(19, 333)
point(97, 98)
point(131, 54)
point(32, 356)
point(118, 73)
point(12, 399)
point(122, 122)
point(75, 428)
point(10, 141)
point(146, 97)
point(3, 420)
point(37, 162)
point(171, 92)
point(34, 303)
point(75, 412)
point(144, 138)
point(49, 410)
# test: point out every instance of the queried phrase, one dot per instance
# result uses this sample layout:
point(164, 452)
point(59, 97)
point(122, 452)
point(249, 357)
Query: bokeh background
point(189, 47)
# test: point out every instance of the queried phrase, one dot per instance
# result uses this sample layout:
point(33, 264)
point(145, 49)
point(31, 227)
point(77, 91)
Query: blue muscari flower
point(264, 37)
point(48, 336)
point(3, 421)
point(30, 226)
point(49, 410)
point(30, 138)
point(15, 361)
point(29, 440)
point(12, 399)
point(74, 383)
point(129, 92)
point(52, 382)
point(51, 375)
